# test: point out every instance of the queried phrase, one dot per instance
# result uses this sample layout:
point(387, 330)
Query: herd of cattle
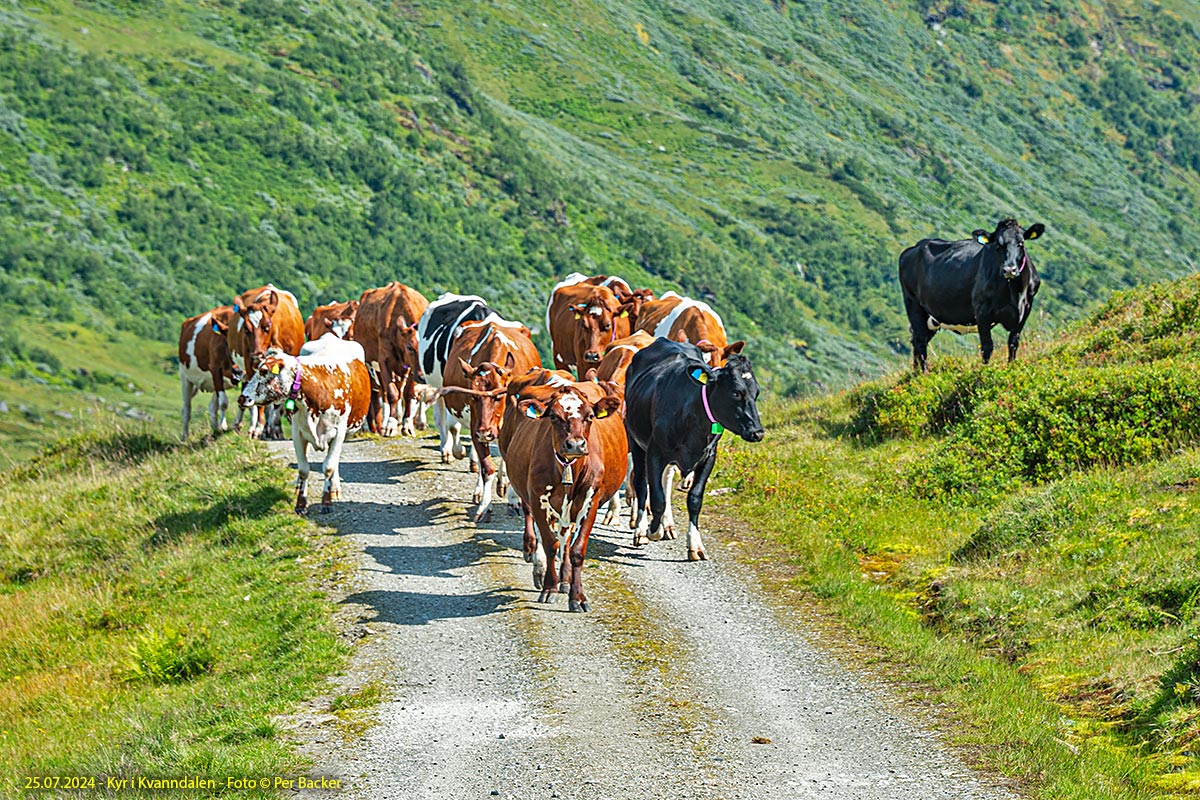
point(655, 384)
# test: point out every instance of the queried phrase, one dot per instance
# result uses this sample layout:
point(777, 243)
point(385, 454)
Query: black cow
point(676, 407)
point(970, 285)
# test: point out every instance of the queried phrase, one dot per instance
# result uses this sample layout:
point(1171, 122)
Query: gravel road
point(682, 681)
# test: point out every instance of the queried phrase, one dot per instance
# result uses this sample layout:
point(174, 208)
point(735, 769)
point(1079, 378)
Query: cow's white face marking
point(596, 311)
point(340, 326)
point(571, 404)
point(255, 318)
point(558, 358)
point(747, 375)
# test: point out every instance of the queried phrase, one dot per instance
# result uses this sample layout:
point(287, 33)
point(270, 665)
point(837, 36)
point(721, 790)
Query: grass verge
point(157, 609)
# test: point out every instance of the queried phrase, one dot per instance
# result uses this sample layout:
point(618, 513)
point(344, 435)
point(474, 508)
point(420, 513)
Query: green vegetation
point(773, 158)
point(1019, 540)
point(157, 609)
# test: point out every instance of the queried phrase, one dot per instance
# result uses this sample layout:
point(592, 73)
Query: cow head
point(634, 301)
point(1008, 242)
point(342, 325)
point(733, 396)
point(488, 391)
point(407, 349)
point(255, 324)
point(594, 324)
point(271, 381)
point(571, 416)
point(219, 351)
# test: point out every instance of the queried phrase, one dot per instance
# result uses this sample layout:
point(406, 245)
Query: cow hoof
point(563, 588)
point(483, 516)
point(638, 541)
point(668, 531)
point(655, 536)
point(697, 555)
point(579, 606)
point(473, 467)
point(326, 508)
point(446, 458)
point(302, 510)
point(547, 596)
point(528, 557)
point(460, 452)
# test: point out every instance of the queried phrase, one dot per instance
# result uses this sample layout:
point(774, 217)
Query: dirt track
point(661, 690)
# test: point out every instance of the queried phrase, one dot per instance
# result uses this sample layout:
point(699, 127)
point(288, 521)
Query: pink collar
point(296, 382)
point(717, 428)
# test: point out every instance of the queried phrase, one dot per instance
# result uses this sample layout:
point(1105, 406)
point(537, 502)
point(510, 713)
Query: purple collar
point(717, 428)
point(296, 382)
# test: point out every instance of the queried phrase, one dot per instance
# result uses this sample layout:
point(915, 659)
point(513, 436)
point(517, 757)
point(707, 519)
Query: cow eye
point(737, 395)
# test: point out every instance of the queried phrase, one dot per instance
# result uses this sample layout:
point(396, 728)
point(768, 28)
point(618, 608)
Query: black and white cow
point(970, 285)
point(439, 325)
point(676, 409)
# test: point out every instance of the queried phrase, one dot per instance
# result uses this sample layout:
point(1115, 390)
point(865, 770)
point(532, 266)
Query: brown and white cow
point(483, 358)
point(205, 365)
point(266, 317)
point(584, 315)
point(613, 366)
point(335, 318)
point(683, 319)
point(386, 327)
point(566, 453)
point(325, 392)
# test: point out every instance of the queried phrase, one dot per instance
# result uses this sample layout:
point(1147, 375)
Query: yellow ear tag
point(699, 376)
point(275, 369)
point(577, 315)
point(982, 239)
point(624, 313)
point(531, 412)
point(601, 414)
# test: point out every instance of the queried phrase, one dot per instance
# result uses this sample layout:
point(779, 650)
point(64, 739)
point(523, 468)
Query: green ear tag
point(289, 405)
point(718, 428)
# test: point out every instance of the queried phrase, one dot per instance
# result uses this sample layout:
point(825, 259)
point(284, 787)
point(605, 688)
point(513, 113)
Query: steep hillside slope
point(770, 157)
point(1030, 526)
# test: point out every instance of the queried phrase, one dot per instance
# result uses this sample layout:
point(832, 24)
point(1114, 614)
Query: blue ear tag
point(237, 309)
point(215, 329)
point(531, 412)
point(981, 239)
point(699, 376)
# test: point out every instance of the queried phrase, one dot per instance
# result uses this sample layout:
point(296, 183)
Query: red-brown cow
point(584, 315)
point(566, 453)
point(335, 318)
point(483, 358)
point(682, 319)
point(325, 392)
point(386, 327)
point(267, 317)
point(205, 365)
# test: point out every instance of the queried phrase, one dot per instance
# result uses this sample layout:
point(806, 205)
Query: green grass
point(1050, 602)
point(158, 607)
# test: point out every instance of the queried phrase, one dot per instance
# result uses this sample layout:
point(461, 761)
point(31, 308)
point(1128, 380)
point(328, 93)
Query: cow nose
point(591, 357)
point(576, 447)
point(755, 435)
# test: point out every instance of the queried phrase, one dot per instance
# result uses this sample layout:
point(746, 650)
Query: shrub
point(169, 655)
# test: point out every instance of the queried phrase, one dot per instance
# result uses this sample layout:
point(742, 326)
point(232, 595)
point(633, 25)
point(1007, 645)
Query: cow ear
point(625, 308)
point(354, 306)
point(510, 361)
point(466, 366)
point(699, 375)
point(237, 308)
point(218, 327)
point(981, 236)
point(606, 405)
point(273, 301)
point(532, 408)
point(679, 337)
point(591, 374)
point(733, 349)
point(1035, 230)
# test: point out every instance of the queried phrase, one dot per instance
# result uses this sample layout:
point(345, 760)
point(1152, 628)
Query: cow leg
point(487, 478)
point(613, 510)
point(1014, 341)
point(918, 326)
point(695, 500)
point(409, 398)
point(640, 486)
point(333, 459)
point(655, 466)
point(668, 517)
point(577, 601)
point(545, 563)
point(986, 346)
point(302, 469)
point(187, 392)
point(442, 418)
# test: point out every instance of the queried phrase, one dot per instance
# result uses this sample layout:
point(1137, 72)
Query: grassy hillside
point(772, 158)
point(1020, 540)
point(158, 607)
